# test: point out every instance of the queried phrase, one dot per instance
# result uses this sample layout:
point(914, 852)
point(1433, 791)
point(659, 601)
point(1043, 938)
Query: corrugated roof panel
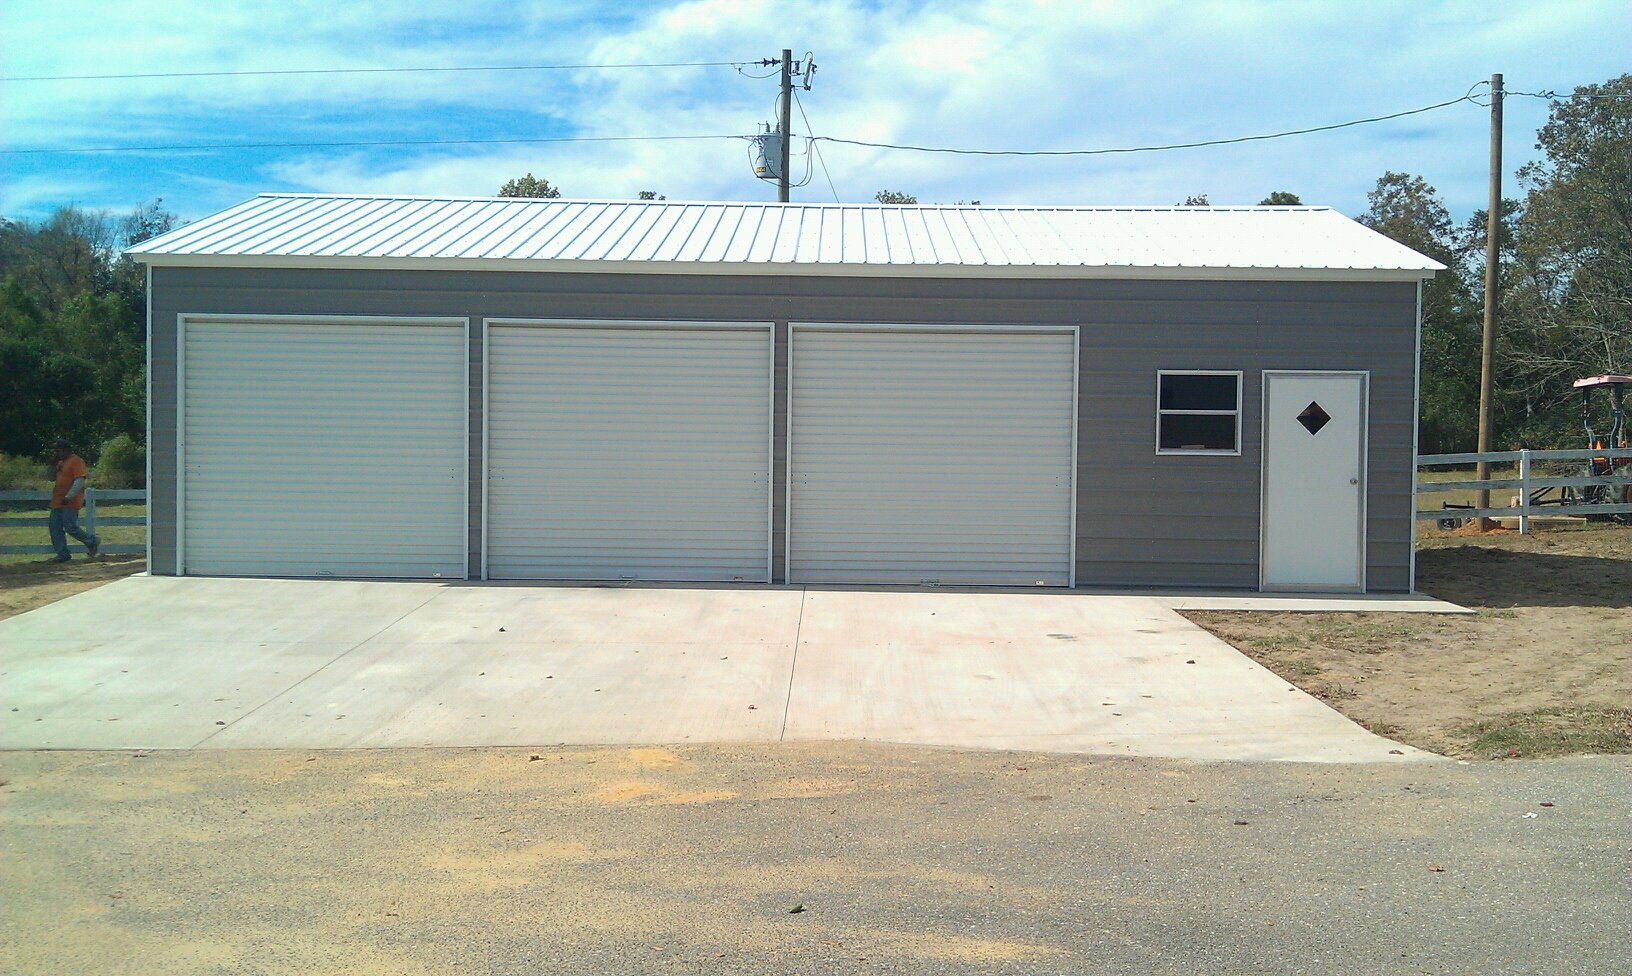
point(495, 233)
point(679, 239)
point(446, 229)
point(953, 244)
point(352, 237)
point(258, 225)
point(919, 245)
point(303, 231)
point(992, 251)
point(801, 234)
point(322, 230)
point(432, 221)
point(616, 236)
point(875, 246)
point(589, 237)
point(842, 237)
point(715, 224)
point(563, 244)
point(741, 244)
point(723, 235)
point(192, 237)
point(501, 240)
point(663, 223)
point(645, 223)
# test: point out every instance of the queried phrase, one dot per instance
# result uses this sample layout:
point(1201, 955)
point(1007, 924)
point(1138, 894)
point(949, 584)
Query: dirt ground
point(833, 858)
point(26, 585)
point(1544, 668)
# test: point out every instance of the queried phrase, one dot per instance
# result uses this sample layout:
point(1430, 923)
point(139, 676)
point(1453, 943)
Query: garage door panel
point(931, 455)
point(333, 448)
point(628, 452)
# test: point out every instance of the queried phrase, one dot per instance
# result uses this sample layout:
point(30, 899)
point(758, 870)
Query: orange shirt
point(72, 467)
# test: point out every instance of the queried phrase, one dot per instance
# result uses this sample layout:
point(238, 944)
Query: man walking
point(67, 497)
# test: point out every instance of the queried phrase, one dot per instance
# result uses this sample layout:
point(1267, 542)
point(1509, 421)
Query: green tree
point(1567, 311)
point(1409, 210)
point(73, 329)
point(1195, 200)
point(1281, 198)
point(45, 389)
point(894, 196)
point(529, 186)
point(651, 195)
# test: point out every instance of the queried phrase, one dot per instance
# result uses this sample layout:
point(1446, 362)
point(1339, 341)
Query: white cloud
point(976, 73)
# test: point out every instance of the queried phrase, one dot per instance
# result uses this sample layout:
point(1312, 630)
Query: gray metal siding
point(1142, 519)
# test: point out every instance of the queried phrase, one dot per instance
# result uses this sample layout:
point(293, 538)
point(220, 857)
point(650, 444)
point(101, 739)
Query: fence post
point(90, 512)
point(1524, 491)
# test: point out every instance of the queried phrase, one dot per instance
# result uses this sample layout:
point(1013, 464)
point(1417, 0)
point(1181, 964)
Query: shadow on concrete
point(1489, 577)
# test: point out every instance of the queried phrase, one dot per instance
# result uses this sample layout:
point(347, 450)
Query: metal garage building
point(563, 390)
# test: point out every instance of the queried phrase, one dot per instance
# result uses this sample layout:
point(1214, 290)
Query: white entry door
point(1314, 506)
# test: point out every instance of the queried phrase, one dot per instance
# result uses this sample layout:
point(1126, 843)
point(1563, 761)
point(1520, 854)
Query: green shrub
point(21, 473)
point(122, 463)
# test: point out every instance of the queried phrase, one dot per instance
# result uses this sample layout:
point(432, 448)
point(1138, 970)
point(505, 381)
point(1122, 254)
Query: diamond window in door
point(1314, 417)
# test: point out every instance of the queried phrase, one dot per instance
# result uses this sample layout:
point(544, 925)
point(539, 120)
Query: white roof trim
point(1021, 271)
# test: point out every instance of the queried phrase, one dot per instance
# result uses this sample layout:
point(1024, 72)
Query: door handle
point(1354, 481)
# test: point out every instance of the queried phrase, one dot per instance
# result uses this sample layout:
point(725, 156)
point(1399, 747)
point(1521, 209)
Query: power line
point(360, 144)
point(1139, 149)
point(812, 147)
point(813, 141)
point(376, 71)
point(1552, 96)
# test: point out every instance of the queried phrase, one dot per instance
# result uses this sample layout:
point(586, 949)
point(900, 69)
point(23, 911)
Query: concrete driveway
point(157, 662)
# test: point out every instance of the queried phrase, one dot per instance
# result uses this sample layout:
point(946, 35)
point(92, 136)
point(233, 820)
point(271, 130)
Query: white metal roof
point(506, 233)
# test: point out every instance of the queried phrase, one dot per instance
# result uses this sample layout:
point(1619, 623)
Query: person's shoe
point(92, 549)
point(60, 559)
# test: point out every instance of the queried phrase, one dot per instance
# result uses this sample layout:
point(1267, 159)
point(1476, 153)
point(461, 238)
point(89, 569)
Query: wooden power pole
point(787, 122)
point(1493, 223)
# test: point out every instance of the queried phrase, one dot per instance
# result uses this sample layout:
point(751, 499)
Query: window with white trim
point(1198, 411)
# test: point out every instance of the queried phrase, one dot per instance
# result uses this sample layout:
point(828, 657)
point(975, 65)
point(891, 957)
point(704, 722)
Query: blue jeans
point(64, 523)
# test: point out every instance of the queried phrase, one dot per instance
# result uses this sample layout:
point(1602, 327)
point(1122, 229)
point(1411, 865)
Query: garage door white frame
point(794, 328)
point(585, 323)
point(181, 398)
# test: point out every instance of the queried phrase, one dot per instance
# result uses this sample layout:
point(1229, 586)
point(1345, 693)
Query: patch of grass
point(1545, 732)
point(1499, 614)
point(1360, 636)
point(1308, 669)
point(1332, 692)
point(12, 534)
point(1387, 730)
point(1274, 642)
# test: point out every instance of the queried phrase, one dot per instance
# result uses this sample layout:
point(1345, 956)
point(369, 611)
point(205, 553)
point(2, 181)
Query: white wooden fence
point(1530, 486)
point(88, 519)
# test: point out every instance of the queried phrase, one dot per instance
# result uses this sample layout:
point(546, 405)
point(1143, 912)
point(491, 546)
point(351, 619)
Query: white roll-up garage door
point(324, 447)
point(628, 451)
point(931, 455)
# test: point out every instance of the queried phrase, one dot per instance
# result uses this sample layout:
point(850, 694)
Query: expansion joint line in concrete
point(798, 628)
point(319, 670)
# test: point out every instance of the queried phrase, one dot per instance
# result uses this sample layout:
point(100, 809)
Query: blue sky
point(984, 73)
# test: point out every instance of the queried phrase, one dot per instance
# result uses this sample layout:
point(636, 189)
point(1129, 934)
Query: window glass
point(1198, 412)
point(1197, 432)
point(1188, 391)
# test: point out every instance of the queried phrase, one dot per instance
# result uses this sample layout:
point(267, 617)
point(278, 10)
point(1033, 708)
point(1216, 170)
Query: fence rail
point(90, 522)
point(1619, 476)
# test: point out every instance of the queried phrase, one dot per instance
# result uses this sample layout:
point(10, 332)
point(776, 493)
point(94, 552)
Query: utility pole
point(1493, 223)
point(787, 122)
